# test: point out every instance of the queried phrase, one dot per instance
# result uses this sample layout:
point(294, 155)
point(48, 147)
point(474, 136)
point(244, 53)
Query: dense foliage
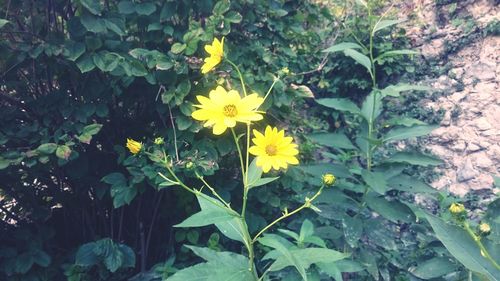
point(80, 77)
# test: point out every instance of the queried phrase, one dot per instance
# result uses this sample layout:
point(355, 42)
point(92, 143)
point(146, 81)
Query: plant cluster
point(123, 119)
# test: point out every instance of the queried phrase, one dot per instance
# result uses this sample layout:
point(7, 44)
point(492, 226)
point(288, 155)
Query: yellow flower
point(216, 52)
point(273, 149)
point(328, 179)
point(457, 208)
point(223, 109)
point(484, 228)
point(134, 146)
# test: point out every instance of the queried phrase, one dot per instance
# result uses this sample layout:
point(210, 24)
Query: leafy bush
point(80, 77)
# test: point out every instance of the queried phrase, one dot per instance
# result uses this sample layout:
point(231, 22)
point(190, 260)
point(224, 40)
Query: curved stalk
point(307, 204)
point(478, 242)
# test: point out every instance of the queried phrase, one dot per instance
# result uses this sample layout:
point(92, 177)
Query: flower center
point(271, 150)
point(230, 110)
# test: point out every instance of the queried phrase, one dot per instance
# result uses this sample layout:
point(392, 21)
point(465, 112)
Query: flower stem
point(239, 74)
point(478, 242)
point(307, 204)
point(213, 191)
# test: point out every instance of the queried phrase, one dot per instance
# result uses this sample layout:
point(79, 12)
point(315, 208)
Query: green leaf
point(41, 258)
point(122, 194)
point(126, 7)
point(63, 152)
point(359, 58)
point(409, 184)
point(128, 256)
point(462, 247)
point(285, 259)
point(47, 148)
point(85, 256)
point(92, 129)
point(4, 163)
point(384, 24)
point(85, 63)
point(93, 23)
point(306, 230)
point(115, 178)
point(342, 47)
point(318, 170)
point(404, 121)
point(433, 268)
point(340, 104)
point(23, 263)
point(207, 217)
point(353, 229)
point(395, 90)
point(394, 211)
point(263, 181)
point(145, 9)
point(225, 266)
point(3, 22)
point(254, 172)
point(113, 259)
point(335, 140)
point(233, 17)
point(395, 53)
point(375, 180)
point(73, 50)
point(413, 158)
point(93, 6)
point(234, 228)
point(177, 48)
point(409, 132)
point(372, 106)
point(221, 7)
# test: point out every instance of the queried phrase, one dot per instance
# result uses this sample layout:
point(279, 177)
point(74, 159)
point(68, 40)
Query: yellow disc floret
point(224, 108)
point(273, 149)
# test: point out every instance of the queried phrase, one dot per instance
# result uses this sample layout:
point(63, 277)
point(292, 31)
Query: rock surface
point(468, 139)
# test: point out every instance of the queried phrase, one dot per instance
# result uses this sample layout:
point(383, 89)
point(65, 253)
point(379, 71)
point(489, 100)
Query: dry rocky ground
point(468, 139)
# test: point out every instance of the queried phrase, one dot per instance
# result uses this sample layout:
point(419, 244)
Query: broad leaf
point(225, 266)
point(462, 247)
point(335, 140)
point(409, 184)
point(372, 106)
point(395, 53)
point(409, 132)
point(434, 268)
point(341, 47)
point(395, 90)
point(413, 158)
point(384, 24)
point(340, 104)
point(359, 58)
point(93, 6)
point(286, 258)
point(394, 211)
point(375, 180)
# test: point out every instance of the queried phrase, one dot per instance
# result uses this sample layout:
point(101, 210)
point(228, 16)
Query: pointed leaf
point(340, 104)
point(462, 247)
point(341, 47)
point(384, 24)
point(359, 58)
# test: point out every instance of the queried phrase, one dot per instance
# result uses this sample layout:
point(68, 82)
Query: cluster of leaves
point(79, 77)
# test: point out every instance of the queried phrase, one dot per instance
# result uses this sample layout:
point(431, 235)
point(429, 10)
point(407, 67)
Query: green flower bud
point(328, 179)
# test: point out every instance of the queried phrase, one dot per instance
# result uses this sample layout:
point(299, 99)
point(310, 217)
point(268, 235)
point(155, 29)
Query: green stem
point(239, 74)
point(243, 171)
point(270, 89)
point(483, 250)
point(213, 191)
point(307, 204)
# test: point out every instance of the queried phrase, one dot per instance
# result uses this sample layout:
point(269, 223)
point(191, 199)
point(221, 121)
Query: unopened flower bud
point(457, 208)
point(189, 165)
point(159, 141)
point(328, 179)
point(484, 229)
